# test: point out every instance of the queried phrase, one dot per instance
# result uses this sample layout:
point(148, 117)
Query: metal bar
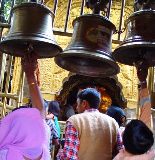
point(54, 10)
point(2, 11)
point(67, 17)
point(7, 106)
point(12, 4)
point(151, 79)
point(116, 41)
point(20, 90)
point(3, 65)
point(55, 6)
point(4, 107)
point(82, 7)
point(121, 19)
point(1, 62)
point(9, 95)
point(4, 100)
point(8, 73)
point(62, 33)
point(109, 9)
point(1, 30)
point(5, 25)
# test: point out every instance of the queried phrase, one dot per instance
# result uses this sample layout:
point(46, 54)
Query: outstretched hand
point(30, 66)
point(29, 63)
point(142, 70)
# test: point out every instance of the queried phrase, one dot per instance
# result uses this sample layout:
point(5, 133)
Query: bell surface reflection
point(31, 29)
point(139, 43)
point(89, 52)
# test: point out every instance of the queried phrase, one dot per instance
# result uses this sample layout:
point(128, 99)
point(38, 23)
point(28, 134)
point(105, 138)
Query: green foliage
point(20, 1)
point(7, 7)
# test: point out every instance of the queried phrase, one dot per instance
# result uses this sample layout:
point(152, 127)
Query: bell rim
point(135, 45)
point(27, 40)
point(95, 16)
point(27, 4)
point(77, 53)
point(58, 49)
point(139, 13)
point(29, 37)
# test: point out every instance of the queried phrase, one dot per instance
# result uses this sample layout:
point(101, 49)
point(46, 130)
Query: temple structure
point(57, 83)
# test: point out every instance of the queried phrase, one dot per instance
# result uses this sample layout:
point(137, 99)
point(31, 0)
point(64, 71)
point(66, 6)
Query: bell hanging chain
point(97, 5)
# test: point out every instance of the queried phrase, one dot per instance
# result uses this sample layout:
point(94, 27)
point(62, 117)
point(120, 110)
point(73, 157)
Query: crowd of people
point(29, 133)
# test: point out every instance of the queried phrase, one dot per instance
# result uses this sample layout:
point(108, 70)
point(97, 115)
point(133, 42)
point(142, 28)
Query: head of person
point(117, 113)
point(54, 108)
point(88, 98)
point(137, 137)
point(22, 127)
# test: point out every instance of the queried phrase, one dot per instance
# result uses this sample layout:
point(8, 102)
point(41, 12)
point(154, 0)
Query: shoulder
point(121, 155)
point(107, 120)
point(78, 118)
point(107, 117)
point(74, 117)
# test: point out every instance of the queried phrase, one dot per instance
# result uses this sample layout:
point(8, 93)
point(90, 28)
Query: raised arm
point(30, 65)
point(144, 96)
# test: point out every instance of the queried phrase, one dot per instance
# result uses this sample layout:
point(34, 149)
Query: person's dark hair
point(71, 98)
point(137, 137)
point(117, 113)
point(54, 108)
point(91, 95)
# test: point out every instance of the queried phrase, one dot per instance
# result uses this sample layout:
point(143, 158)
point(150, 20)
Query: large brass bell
point(89, 52)
point(31, 30)
point(139, 43)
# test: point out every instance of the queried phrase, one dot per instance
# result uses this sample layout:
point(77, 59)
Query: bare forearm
point(36, 97)
point(145, 105)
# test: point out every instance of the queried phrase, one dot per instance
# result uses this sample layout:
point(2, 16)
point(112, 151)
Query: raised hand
point(142, 70)
point(30, 66)
point(29, 63)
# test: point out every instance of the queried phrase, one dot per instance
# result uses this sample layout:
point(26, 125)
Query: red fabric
point(72, 143)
